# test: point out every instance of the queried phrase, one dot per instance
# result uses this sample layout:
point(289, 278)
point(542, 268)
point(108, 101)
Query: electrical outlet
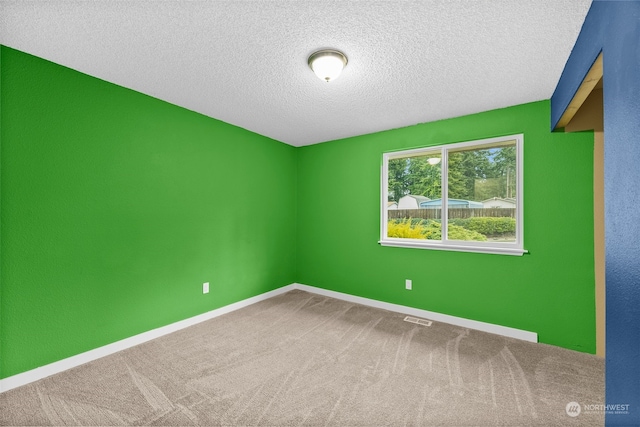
point(407, 284)
point(205, 288)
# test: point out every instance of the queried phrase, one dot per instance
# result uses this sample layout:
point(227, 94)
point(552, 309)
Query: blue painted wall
point(613, 27)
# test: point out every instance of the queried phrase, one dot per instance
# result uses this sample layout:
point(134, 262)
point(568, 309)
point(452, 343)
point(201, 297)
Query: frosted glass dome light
point(327, 64)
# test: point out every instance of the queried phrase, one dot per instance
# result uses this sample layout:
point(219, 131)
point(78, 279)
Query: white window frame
point(502, 248)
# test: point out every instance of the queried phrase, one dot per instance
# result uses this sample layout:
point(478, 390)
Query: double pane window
point(465, 196)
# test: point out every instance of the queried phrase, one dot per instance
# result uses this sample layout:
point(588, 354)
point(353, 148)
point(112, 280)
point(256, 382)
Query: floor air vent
point(417, 321)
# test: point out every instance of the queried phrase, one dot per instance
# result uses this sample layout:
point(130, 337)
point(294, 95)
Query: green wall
point(550, 291)
point(116, 207)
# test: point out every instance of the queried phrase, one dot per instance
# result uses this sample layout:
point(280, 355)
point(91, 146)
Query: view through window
point(457, 196)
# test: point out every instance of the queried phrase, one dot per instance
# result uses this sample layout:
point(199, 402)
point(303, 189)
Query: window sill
point(454, 247)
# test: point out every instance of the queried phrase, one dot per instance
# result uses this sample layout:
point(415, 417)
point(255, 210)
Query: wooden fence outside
point(453, 213)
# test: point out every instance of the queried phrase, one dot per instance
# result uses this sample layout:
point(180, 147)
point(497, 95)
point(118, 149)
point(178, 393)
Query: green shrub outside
point(488, 226)
point(416, 228)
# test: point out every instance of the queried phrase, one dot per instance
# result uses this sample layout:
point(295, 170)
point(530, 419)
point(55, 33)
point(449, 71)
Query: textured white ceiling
point(245, 62)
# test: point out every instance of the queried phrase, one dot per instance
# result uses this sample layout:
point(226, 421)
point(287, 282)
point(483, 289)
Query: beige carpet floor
point(304, 359)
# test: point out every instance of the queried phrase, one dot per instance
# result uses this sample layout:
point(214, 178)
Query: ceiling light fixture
point(327, 64)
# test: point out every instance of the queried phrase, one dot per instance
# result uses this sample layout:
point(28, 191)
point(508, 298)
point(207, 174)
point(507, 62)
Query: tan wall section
point(598, 219)
point(590, 116)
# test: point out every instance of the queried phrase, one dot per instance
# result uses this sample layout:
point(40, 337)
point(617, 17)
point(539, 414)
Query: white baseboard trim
point(41, 372)
point(438, 317)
